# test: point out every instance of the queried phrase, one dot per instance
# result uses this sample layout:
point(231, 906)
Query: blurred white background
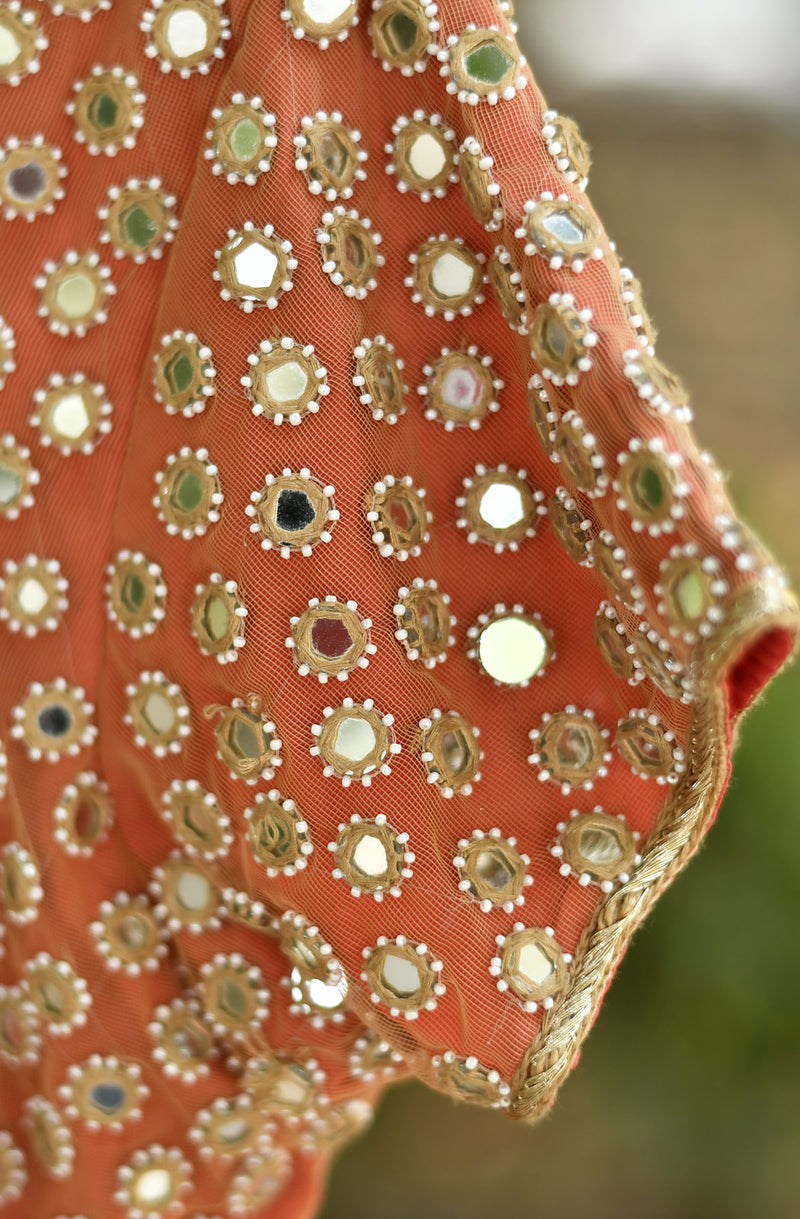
point(745, 51)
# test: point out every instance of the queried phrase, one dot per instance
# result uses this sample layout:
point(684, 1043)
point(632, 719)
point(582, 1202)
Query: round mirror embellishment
point(403, 975)
point(483, 65)
point(355, 742)
point(530, 967)
point(450, 752)
point(492, 871)
point(596, 848)
point(570, 748)
point(499, 507)
point(460, 388)
point(511, 645)
point(372, 857)
point(424, 622)
point(330, 639)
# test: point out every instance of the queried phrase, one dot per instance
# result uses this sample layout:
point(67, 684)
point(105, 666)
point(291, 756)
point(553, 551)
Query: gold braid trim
point(675, 838)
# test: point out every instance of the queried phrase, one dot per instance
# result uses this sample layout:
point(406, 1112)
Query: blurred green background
point(686, 1104)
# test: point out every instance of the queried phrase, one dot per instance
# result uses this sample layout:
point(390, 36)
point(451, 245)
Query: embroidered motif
point(107, 109)
point(460, 389)
point(373, 1058)
point(72, 413)
point(233, 995)
point(615, 646)
point(305, 947)
point(135, 593)
point(337, 1124)
point(246, 740)
point(466, 1079)
point(596, 848)
point(84, 815)
point(20, 884)
point(61, 998)
point(104, 1093)
point(231, 1126)
point(424, 622)
point(561, 339)
point(446, 277)
point(259, 1181)
point(128, 935)
point(242, 140)
point(398, 517)
point(633, 300)
point(54, 720)
point(506, 282)
point(499, 507)
point(371, 857)
point(33, 595)
point(690, 591)
point(481, 191)
point(31, 176)
point(184, 1046)
point(329, 155)
point(218, 618)
point(153, 1182)
point(511, 646)
point(184, 375)
point(293, 513)
point(330, 638)
point(285, 381)
point(542, 414)
point(661, 666)
point(567, 147)
point(138, 220)
point(318, 999)
point(22, 40)
point(660, 389)
point(355, 741)
point(20, 1042)
point(85, 9)
point(196, 820)
point(531, 967)
point(13, 1176)
point(157, 713)
point(402, 34)
point(185, 35)
point(576, 448)
point(449, 750)
point(74, 292)
point(349, 249)
point(254, 267)
point(186, 900)
point(189, 493)
point(561, 231)
point(423, 157)
point(612, 563)
point(492, 871)
point(379, 377)
point(570, 748)
point(483, 65)
point(403, 975)
point(49, 1138)
point(278, 834)
point(649, 486)
point(322, 21)
point(650, 749)
point(572, 529)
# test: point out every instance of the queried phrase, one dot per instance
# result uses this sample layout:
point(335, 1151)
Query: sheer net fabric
point(239, 898)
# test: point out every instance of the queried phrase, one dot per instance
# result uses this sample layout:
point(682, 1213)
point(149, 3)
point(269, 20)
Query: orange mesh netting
point(177, 931)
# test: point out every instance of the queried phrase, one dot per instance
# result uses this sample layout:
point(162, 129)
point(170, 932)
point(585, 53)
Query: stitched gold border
point(674, 840)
